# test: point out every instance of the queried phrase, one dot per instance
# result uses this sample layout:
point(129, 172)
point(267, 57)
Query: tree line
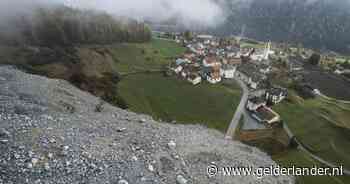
point(62, 26)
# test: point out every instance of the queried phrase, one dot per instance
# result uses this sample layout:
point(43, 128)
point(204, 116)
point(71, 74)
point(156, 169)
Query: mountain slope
point(322, 24)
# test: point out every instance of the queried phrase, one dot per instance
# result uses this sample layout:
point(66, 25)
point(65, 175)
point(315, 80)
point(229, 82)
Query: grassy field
point(322, 126)
point(144, 56)
point(252, 45)
point(300, 159)
point(170, 99)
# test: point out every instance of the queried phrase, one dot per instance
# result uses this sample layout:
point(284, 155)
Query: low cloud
point(188, 12)
point(206, 13)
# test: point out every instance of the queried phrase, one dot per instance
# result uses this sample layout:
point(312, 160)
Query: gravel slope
point(50, 132)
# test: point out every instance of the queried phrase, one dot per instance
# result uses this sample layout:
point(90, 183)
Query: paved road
point(239, 112)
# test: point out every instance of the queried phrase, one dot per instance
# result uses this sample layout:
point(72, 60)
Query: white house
point(194, 79)
point(178, 69)
point(276, 95)
point(228, 71)
point(184, 74)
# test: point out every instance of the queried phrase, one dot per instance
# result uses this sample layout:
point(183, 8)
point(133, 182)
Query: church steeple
point(267, 50)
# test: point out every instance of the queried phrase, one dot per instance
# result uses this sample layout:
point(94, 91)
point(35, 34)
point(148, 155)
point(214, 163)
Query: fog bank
point(188, 12)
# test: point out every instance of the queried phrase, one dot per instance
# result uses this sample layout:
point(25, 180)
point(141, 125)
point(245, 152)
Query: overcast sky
point(199, 11)
point(204, 12)
point(188, 11)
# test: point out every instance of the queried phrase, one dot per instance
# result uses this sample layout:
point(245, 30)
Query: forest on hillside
point(63, 26)
point(321, 24)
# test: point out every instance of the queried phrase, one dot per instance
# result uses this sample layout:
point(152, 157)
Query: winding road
point(239, 112)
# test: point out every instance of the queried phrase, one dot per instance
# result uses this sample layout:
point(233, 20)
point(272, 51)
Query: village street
point(239, 112)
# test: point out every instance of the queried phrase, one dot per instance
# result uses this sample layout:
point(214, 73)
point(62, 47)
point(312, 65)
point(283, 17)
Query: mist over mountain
point(56, 23)
point(322, 24)
point(192, 14)
point(205, 13)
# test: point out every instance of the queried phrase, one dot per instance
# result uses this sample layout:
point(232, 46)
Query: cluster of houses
point(211, 60)
point(208, 59)
point(259, 105)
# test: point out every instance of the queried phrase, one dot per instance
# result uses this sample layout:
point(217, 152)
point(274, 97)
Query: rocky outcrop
point(51, 132)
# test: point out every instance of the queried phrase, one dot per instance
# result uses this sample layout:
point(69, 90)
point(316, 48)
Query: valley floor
point(321, 125)
point(171, 99)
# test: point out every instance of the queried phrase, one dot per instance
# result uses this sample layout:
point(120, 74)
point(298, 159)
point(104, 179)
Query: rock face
point(44, 141)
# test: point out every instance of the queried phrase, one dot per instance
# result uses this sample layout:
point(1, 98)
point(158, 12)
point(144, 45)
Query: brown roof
point(265, 114)
point(234, 61)
point(211, 59)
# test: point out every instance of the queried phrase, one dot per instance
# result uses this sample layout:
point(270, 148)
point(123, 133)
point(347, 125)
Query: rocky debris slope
point(51, 132)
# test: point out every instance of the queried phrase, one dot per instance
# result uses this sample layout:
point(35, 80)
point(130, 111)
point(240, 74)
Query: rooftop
point(277, 91)
point(228, 67)
point(257, 100)
point(265, 114)
point(211, 60)
point(205, 36)
point(250, 69)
